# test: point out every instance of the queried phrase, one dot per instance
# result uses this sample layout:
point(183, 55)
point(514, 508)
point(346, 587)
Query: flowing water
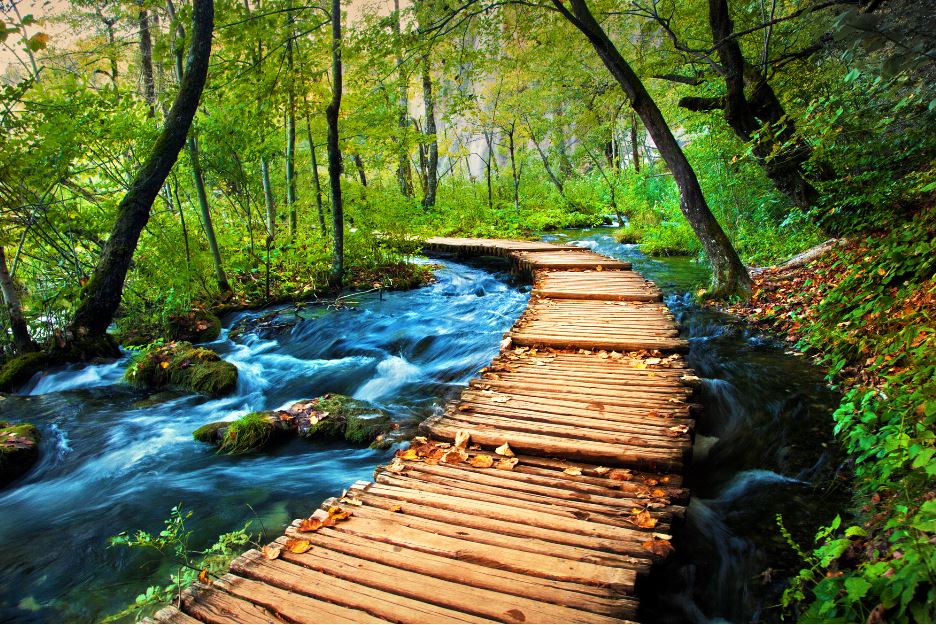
point(116, 459)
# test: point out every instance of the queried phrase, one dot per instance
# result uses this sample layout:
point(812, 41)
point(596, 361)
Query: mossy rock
point(195, 327)
point(330, 417)
point(19, 449)
point(344, 418)
point(184, 366)
point(20, 369)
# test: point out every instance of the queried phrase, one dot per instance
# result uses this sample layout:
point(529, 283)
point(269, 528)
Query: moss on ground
point(184, 366)
point(19, 449)
point(17, 371)
point(349, 419)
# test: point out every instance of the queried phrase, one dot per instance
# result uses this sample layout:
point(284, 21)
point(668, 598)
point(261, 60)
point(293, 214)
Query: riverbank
point(865, 310)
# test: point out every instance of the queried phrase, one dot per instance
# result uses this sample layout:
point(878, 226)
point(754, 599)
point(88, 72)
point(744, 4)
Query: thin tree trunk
point(316, 183)
point(359, 165)
point(146, 61)
point(404, 174)
point(545, 159)
point(729, 274)
point(291, 140)
point(511, 147)
point(270, 215)
point(432, 164)
point(101, 296)
point(22, 341)
point(635, 149)
point(198, 177)
point(334, 149)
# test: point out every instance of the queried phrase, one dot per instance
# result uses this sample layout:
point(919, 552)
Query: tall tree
point(432, 163)
point(729, 275)
point(334, 148)
point(100, 298)
point(146, 60)
point(290, 131)
point(22, 341)
point(404, 174)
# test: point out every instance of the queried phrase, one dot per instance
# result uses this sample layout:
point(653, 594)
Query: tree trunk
point(511, 147)
point(270, 216)
point(635, 149)
point(146, 61)
point(291, 140)
point(22, 341)
point(404, 174)
point(729, 274)
point(432, 164)
point(334, 149)
point(359, 165)
point(315, 177)
point(101, 296)
point(198, 177)
point(556, 182)
point(778, 151)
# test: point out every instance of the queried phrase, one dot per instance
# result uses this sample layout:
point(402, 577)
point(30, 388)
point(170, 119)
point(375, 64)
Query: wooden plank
point(209, 604)
point(171, 614)
point(374, 603)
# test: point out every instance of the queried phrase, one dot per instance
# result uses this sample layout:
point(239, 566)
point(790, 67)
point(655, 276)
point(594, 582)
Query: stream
point(115, 458)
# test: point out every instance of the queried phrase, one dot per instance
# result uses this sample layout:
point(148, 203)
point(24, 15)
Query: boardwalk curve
point(539, 495)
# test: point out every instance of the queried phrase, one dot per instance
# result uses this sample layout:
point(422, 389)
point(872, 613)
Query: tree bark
point(511, 147)
point(359, 165)
point(555, 180)
point(315, 177)
point(334, 149)
point(729, 274)
point(635, 149)
point(432, 164)
point(198, 176)
point(146, 61)
point(22, 341)
point(291, 138)
point(100, 298)
point(778, 151)
point(404, 174)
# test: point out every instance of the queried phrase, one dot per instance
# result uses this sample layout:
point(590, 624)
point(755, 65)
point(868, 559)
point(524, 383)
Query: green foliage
point(246, 434)
point(182, 365)
point(875, 331)
point(185, 564)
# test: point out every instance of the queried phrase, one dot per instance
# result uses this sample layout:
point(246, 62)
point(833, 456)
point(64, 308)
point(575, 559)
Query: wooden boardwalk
point(538, 496)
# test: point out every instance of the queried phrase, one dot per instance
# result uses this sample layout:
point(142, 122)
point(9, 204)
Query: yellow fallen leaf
point(396, 508)
point(407, 454)
point(506, 464)
point(203, 577)
point(603, 355)
point(643, 519)
point(658, 547)
point(271, 552)
point(461, 438)
point(572, 471)
point(620, 474)
point(481, 461)
point(455, 455)
point(295, 545)
point(351, 501)
point(500, 399)
point(602, 470)
point(505, 450)
point(338, 513)
point(310, 525)
point(658, 492)
point(164, 364)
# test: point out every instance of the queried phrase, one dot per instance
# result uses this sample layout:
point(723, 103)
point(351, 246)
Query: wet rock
point(19, 449)
point(184, 366)
point(330, 417)
point(197, 326)
point(19, 370)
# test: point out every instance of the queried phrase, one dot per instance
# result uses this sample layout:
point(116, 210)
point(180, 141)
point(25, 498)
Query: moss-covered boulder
point(197, 326)
point(19, 449)
point(182, 365)
point(18, 370)
point(330, 417)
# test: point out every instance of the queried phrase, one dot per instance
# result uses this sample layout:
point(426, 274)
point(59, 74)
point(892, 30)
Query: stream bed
point(114, 458)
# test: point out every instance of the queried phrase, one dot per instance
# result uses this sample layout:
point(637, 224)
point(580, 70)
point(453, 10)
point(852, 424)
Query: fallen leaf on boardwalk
point(294, 545)
point(658, 492)
point(616, 355)
point(602, 470)
point(461, 438)
point(620, 475)
point(396, 466)
point(643, 519)
point(396, 508)
point(310, 525)
point(506, 464)
point(572, 471)
point(598, 268)
point(474, 447)
point(455, 455)
point(270, 552)
point(640, 365)
point(650, 481)
point(203, 577)
point(338, 513)
point(658, 547)
point(603, 355)
point(351, 501)
point(652, 361)
point(500, 399)
point(677, 430)
point(482, 461)
point(420, 440)
point(505, 450)
point(407, 454)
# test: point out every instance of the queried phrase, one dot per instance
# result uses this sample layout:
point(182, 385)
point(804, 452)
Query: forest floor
point(866, 310)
